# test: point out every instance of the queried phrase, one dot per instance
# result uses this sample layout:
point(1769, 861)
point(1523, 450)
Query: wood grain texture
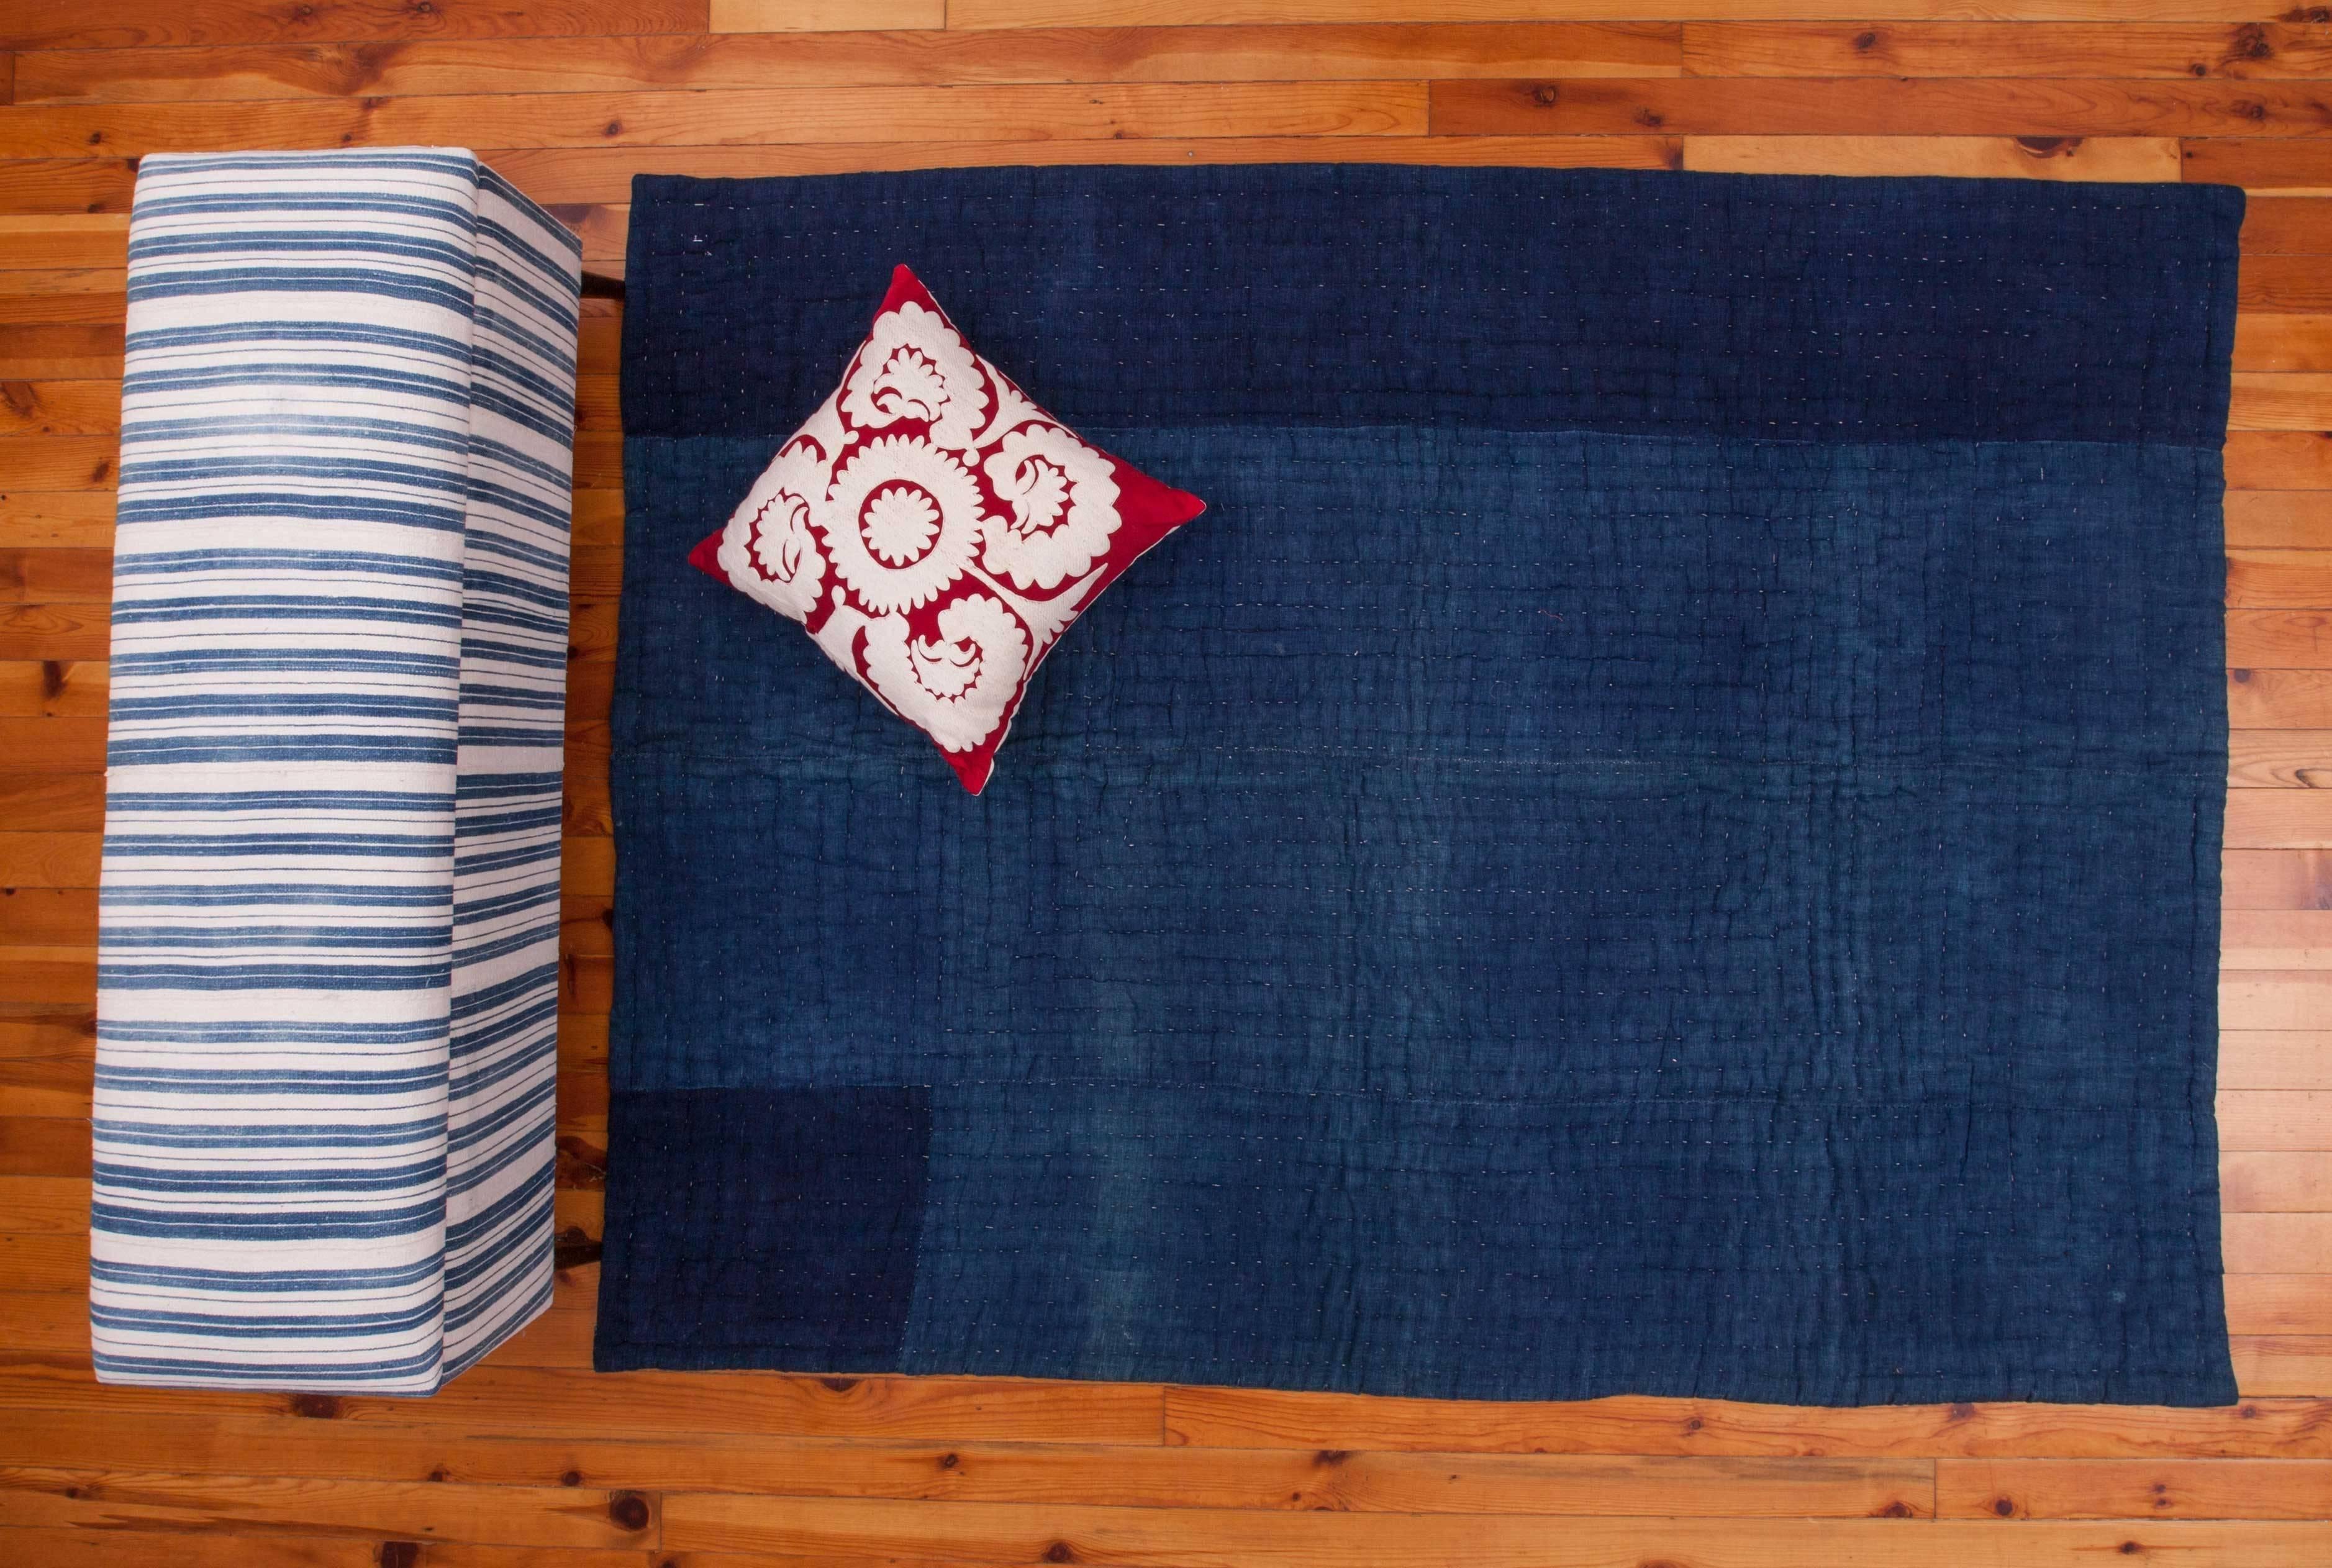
point(853, 1530)
point(1400, 53)
point(71, 25)
point(2243, 50)
point(824, 15)
point(531, 1461)
point(2109, 158)
point(741, 117)
point(1865, 106)
point(1054, 12)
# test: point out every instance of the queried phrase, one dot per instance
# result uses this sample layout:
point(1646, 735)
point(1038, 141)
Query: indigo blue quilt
point(1661, 835)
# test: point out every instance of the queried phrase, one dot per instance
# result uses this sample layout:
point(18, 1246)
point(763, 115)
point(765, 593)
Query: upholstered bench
point(327, 967)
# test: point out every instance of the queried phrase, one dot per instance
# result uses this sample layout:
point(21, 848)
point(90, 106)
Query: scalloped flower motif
point(901, 522)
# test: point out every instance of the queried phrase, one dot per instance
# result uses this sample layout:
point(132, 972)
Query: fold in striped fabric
point(328, 960)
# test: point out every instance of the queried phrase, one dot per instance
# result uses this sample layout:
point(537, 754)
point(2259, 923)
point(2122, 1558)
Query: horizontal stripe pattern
point(327, 967)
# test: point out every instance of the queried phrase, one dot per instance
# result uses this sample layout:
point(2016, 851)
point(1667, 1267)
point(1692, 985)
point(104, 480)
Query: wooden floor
point(531, 1460)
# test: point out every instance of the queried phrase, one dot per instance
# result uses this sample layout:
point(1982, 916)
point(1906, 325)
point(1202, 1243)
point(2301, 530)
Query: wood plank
point(1637, 1424)
point(854, 1530)
point(2278, 518)
point(824, 15)
point(605, 173)
point(2242, 51)
point(2279, 578)
point(586, 984)
point(82, 1548)
point(62, 351)
point(24, 1034)
point(2276, 1119)
point(2273, 400)
point(2288, 225)
point(587, 804)
point(56, 859)
point(43, 1146)
point(2107, 159)
point(597, 520)
point(43, 1090)
point(42, 518)
point(2277, 1242)
point(2276, 1365)
point(2285, 938)
point(2278, 1304)
point(49, 975)
point(2292, 283)
point(60, 633)
point(2265, 166)
point(533, 1399)
point(1037, 111)
point(1541, 1485)
point(2280, 818)
point(67, 298)
point(2277, 759)
point(66, 185)
point(2275, 1058)
point(2276, 700)
point(44, 1498)
point(2274, 999)
point(596, 572)
point(66, 25)
point(43, 1206)
point(2276, 340)
point(2133, 1488)
point(2276, 1181)
point(64, 240)
point(1866, 106)
point(587, 867)
point(77, 688)
point(856, 59)
point(52, 745)
point(1057, 13)
point(600, 462)
point(2279, 460)
point(48, 284)
point(55, 574)
point(582, 1037)
point(52, 1265)
point(2268, 878)
point(585, 925)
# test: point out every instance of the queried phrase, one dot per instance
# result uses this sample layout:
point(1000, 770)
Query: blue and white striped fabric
point(328, 957)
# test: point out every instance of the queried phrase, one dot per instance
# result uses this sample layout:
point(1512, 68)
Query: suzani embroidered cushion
point(935, 532)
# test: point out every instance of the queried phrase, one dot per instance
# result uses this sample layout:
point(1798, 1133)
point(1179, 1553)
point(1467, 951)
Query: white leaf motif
point(1062, 496)
point(915, 367)
point(954, 687)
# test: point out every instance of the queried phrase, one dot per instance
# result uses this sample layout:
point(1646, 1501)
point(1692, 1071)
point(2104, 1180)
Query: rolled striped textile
point(327, 958)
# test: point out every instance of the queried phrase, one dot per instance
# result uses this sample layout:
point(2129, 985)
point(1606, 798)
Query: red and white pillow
point(935, 532)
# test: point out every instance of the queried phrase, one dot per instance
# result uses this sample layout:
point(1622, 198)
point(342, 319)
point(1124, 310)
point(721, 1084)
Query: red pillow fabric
point(935, 532)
